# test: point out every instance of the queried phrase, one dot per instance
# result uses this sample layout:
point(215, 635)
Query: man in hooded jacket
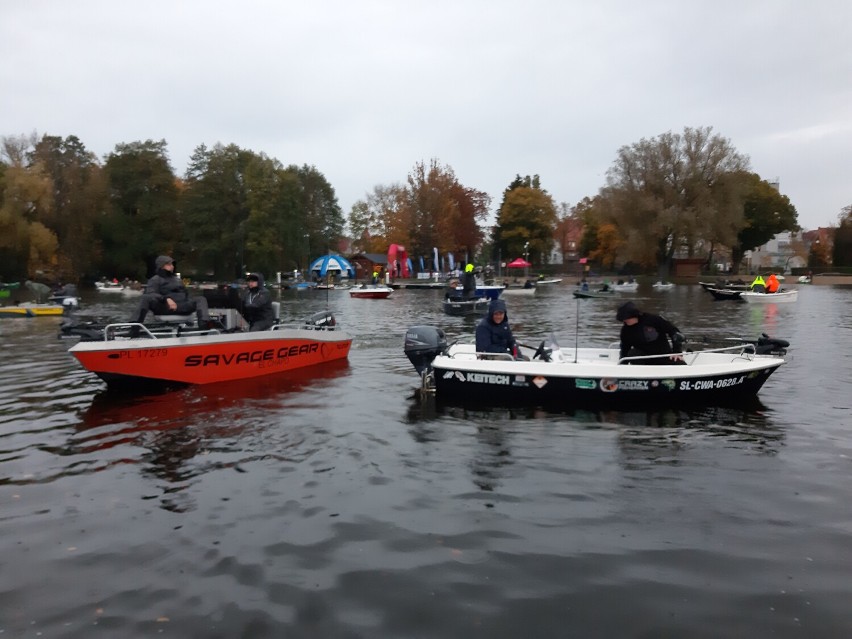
point(493, 334)
point(648, 334)
point(165, 294)
point(257, 304)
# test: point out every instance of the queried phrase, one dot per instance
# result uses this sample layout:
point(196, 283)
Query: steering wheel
point(541, 352)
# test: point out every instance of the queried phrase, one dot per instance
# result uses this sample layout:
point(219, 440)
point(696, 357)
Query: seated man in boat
point(165, 294)
point(257, 304)
point(648, 334)
point(493, 334)
point(772, 284)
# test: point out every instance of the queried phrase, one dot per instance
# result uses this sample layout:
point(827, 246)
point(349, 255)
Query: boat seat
point(189, 318)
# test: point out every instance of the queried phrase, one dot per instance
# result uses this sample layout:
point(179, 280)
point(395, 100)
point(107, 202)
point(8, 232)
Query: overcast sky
point(363, 90)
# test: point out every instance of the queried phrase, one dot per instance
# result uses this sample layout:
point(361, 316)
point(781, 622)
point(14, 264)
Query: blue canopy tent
point(326, 263)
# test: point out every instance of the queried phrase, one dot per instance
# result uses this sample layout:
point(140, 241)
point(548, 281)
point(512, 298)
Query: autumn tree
point(444, 214)
point(27, 246)
point(381, 219)
point(527, 215)
point(666, 193)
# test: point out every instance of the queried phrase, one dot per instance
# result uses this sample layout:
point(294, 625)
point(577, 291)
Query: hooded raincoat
point(492, 337)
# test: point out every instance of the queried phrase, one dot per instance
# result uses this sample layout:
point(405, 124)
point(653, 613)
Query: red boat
point(191, 356)
point(371, 291)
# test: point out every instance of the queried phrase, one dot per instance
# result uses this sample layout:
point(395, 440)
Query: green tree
point(841, 253)
point(215, 210)
point(323, 217)
point(141, 220)
point(79, 199)
point(766, 212)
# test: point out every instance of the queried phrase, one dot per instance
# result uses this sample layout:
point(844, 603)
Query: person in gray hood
point(165, 294)
point(257, 304)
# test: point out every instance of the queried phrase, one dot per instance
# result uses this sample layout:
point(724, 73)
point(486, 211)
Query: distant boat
point(663, 286)
point(370, 291)
point(32, 309)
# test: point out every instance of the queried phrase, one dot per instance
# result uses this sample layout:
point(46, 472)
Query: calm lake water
point(333, 503)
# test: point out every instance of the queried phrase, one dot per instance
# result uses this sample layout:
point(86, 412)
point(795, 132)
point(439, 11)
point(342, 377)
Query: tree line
point(65, 213)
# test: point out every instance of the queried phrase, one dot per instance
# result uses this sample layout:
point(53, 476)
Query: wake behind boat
point(129, 354)
point(567, 377)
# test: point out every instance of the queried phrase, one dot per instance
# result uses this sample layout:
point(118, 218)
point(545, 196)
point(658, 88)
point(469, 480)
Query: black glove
point(677, 342)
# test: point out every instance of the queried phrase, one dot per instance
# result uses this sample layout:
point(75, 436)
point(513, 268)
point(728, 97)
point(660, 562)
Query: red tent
point(518, 263)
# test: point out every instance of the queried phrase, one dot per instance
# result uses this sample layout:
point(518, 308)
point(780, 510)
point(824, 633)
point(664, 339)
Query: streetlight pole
point(526, 253)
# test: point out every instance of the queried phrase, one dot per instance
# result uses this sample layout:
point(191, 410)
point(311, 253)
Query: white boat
point(804, 279)
point(663, 286)
point(109, 287)
point(555, 280)
point(370, 291)
point(770, 298)
point(625, 287)
point(572, 377)
point(519, 291)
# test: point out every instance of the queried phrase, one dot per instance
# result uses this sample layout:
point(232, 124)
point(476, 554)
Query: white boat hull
point(770, 298)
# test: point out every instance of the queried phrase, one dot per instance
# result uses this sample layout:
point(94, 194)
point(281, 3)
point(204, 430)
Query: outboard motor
point(321, 319)
point(766, 345)
point(422, 345)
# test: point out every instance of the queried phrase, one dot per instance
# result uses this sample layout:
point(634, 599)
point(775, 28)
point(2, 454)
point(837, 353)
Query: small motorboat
point(770, 298)
point(546, 282)
point(724, 294)
point(570, 377)
point(805, 279)
point(459, 306)
point(625, 287)
point(32, 309)
point(739, 285)
point(370, 291)
point(519, 291)
point(663, 286)
point(135, 355)
point(593, 294)
point(491, 291)
point(109, 287)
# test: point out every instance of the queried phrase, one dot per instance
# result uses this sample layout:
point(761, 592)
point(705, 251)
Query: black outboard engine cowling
point(766, 345)
point(321, 319)
point(422, 345)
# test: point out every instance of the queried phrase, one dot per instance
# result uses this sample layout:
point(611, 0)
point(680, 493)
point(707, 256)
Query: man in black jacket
point(165, 294)
point(648, 334)
point(257, 304)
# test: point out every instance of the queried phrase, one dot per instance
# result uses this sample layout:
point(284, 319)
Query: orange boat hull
point(212, 358)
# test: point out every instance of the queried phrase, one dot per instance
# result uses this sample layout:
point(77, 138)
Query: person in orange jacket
point(772, 284)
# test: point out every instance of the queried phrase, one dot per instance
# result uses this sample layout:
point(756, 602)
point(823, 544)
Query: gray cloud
point(364, 90)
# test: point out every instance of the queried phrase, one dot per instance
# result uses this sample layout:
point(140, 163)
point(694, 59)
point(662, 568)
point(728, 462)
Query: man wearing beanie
point(648, 334)
point(165, 294)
